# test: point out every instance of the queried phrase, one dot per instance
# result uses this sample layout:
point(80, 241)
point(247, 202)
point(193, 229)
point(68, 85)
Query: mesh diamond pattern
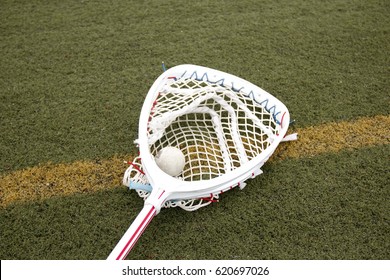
point(216, 127)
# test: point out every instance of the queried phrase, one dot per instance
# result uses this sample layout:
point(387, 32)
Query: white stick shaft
point(131, 236)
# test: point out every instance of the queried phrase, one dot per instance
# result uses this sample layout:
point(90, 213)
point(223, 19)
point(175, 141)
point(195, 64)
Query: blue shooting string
point(163, 66)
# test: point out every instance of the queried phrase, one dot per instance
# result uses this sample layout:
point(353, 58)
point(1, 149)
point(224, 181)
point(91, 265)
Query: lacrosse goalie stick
point(226, 128)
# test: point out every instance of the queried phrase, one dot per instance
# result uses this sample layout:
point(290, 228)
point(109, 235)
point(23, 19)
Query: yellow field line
point(333, 137)
point(48, 180)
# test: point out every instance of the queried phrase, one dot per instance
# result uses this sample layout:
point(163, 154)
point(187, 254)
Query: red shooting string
point(281, 123)
point(210, 198)
point(136, 167)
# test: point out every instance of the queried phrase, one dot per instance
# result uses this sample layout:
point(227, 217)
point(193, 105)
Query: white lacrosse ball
point(170, 160)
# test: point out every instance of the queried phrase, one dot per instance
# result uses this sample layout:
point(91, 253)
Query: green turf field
point(73, 76)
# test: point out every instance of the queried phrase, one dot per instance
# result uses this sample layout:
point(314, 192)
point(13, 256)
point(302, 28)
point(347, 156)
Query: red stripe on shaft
point(137, 234)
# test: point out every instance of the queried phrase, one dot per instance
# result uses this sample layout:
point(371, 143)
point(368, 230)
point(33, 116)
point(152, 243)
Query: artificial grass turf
point(73, 74)
point(334, 206)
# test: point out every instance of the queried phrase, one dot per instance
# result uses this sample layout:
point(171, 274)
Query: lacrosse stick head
point(225, 126)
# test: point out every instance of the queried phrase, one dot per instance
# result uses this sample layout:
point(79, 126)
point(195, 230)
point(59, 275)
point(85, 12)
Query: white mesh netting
point(217, 128)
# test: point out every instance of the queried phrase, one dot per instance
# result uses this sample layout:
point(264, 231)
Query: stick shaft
point(131, 236)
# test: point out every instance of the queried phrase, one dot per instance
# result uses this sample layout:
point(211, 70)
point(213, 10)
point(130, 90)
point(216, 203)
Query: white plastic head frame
point(175, 188)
